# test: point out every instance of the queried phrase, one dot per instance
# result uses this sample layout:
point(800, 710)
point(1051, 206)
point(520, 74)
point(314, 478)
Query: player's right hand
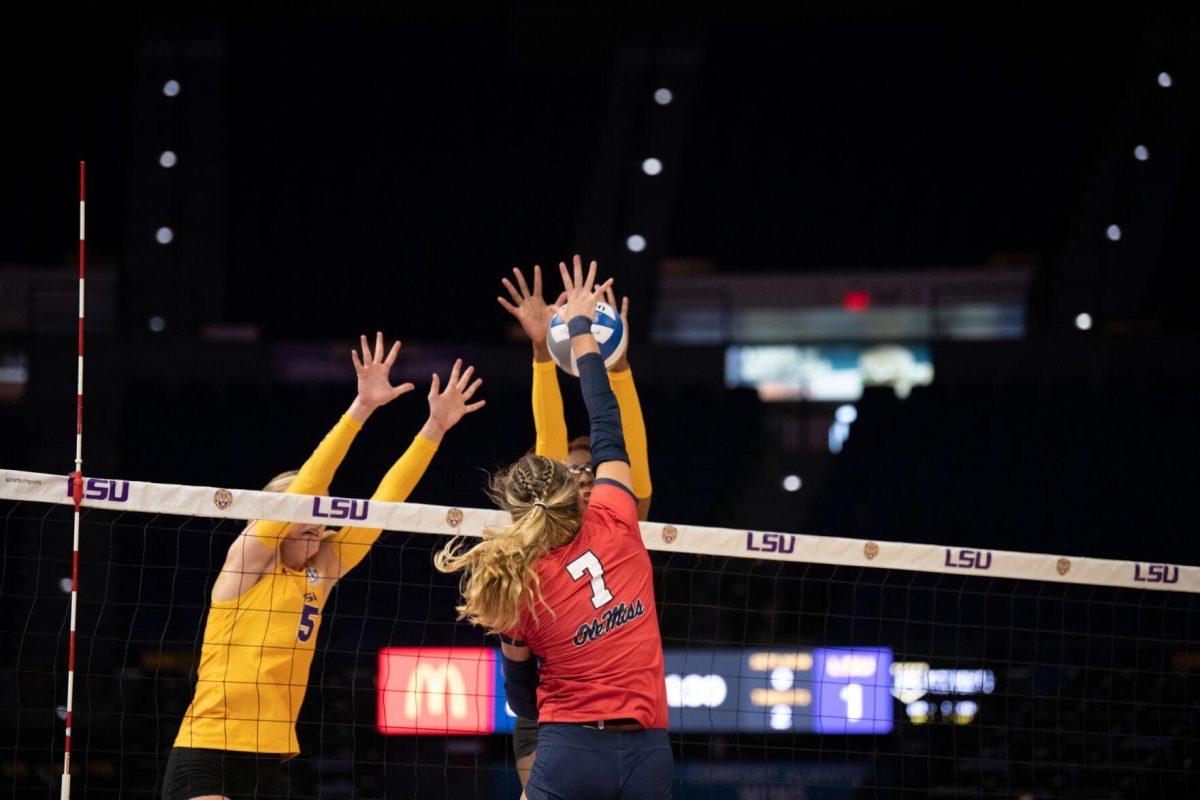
point(374, 386)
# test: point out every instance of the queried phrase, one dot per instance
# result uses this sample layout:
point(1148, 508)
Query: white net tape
point(245, 504)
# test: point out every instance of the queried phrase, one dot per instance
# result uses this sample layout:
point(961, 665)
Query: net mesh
point(785, 678)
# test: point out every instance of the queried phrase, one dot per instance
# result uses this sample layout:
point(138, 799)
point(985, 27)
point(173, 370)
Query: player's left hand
point(528, 307)
point(447, 407)
point(374, 386)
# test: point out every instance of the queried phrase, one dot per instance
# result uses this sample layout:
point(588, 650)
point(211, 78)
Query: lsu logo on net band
point(340, 508)
point(101, 489)
point(770, 542)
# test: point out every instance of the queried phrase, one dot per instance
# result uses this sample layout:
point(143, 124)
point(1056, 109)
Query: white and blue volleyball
point(608, 329)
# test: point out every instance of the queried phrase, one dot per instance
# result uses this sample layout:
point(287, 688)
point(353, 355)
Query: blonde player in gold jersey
point(266, 603)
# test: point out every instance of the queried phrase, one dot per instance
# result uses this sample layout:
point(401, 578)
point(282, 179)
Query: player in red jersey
point(573, 586)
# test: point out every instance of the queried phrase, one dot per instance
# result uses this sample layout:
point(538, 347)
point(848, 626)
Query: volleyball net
point(796, 665)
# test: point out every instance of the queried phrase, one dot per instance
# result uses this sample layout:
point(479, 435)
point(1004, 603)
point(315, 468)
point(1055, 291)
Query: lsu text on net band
point(244, 504)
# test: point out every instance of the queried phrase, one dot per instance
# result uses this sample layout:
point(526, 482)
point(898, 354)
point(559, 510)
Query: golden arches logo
point(437, 684)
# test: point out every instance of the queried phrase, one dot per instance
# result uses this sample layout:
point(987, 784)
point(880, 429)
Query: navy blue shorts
point(577, 763)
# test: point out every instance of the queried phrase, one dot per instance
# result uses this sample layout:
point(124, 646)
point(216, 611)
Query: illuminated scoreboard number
point(853, 690)
point(776, 691)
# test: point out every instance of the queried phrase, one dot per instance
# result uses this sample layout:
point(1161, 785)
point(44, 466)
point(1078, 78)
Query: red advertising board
point(436, 690)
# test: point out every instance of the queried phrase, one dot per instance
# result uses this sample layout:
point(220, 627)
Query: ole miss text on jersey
point(597, 631)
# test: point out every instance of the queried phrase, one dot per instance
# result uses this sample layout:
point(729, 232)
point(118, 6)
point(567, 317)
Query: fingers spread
point(512, 291)
point(509, 307)
point(466, 378)
point(566, 276)
point(521, 282)
point(537, 280)
point(591, 276)
point(395, 351)
point(378, 346)
point(366, 349)
point(454, 373)
point(472, 389)
point(578, 273)
point(358, 367)
point(624, 307)
point(403, 388)
point(435, 386)
point(476, 406)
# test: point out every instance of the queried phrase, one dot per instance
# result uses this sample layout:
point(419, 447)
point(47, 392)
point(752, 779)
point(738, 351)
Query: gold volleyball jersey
point(254, 666)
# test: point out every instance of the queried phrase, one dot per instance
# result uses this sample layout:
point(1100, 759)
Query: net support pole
point(77, 495)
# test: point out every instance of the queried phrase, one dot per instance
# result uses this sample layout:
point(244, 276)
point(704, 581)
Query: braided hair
point(499, 578)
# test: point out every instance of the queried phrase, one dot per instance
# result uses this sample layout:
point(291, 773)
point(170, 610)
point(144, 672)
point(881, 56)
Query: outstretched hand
point(527, 306)
point(374, 386)
point(582, 291)
point(447, 407)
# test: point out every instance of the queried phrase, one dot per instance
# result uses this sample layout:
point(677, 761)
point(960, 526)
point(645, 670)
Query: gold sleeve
point(634, 428)
point(316, 474)
point(350, 545)
point(549, 421)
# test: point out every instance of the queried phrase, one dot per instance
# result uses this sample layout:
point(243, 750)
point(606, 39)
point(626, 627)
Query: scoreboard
point(824, 690)
point(837, 690)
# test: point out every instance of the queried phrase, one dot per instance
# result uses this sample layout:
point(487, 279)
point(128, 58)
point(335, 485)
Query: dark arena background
point(909, 319)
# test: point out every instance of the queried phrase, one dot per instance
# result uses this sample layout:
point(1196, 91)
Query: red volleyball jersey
point(601, 649)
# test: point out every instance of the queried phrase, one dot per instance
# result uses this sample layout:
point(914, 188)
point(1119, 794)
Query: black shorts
point(525, 737)
point(194, 772)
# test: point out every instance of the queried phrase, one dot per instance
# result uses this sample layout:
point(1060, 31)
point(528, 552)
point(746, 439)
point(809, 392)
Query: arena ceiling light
point(636, 243)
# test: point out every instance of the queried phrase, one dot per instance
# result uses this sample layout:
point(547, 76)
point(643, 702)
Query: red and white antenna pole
point(77, 493)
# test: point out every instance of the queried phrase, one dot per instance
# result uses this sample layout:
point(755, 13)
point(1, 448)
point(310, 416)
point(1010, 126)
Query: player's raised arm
point(374, 391)
point(609, 457)
point(446, 408)
point(529, 309)
point(253, 552)
point(633, 424)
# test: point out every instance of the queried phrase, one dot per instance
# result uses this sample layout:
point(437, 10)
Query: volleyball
point(608, 329)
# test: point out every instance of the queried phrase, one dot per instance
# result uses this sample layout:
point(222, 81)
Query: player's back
point(601, 649)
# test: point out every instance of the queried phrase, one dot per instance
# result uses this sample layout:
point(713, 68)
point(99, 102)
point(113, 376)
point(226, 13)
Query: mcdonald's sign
point(437, 690)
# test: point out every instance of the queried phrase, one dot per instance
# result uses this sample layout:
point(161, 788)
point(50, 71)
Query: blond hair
point(282, 481)
point(499, 579)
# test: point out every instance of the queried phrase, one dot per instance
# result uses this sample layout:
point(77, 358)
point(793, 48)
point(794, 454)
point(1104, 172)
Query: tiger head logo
point(222, 498)
point(454, 517)
point(870, 550)
point(669, 534)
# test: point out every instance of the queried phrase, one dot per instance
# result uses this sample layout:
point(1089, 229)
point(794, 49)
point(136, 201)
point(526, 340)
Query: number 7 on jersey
point(590, 564)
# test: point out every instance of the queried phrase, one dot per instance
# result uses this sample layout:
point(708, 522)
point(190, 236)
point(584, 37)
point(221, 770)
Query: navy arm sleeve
point(607, 438)
point(521, 681)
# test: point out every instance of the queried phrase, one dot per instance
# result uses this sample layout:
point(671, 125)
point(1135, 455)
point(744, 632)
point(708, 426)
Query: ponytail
point(499, 578)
